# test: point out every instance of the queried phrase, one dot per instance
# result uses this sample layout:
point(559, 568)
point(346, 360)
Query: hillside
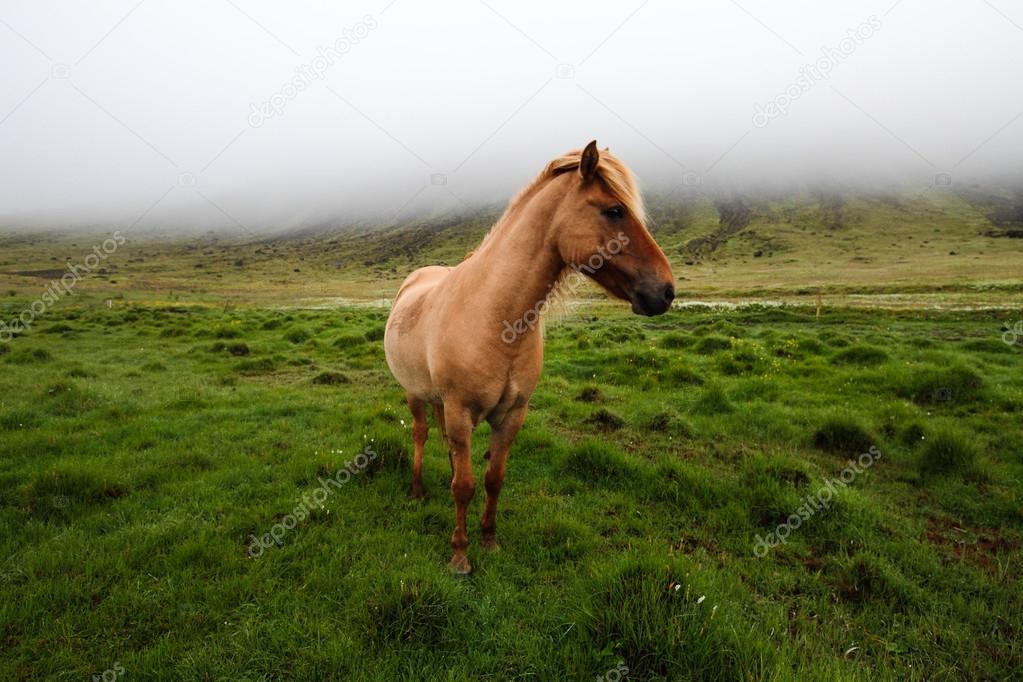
point(937, 245)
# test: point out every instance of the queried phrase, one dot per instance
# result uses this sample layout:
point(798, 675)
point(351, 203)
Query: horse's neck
point(519, 264)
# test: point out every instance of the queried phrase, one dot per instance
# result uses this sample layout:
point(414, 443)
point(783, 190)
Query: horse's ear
point(588, 162)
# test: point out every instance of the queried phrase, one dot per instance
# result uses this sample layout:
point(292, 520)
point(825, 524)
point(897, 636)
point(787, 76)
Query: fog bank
point(249, 115)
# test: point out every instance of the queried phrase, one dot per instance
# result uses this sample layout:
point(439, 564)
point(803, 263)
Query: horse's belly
point(406, 358)
point(405, 345)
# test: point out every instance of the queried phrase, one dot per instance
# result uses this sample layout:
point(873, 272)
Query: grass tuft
point(51, 493)
point(238, 349)
point(349, 340)
point(297, 335)
point(392, 454)
point(562, 539)
point(330, 379)
point(13, 420)
point(860, 355)
point(708, 345)
point(606, 420)
point(713, 401)
point(867, 579)
point(652, 617)
point(668, 422)
point(415, 609)
point(255, 366)
point(947, 452)
point(600, 462)
point(683, 376)
point(675, 340)
point(590, 394)
point(31, 356)
point(955, 385)
point(843, 436)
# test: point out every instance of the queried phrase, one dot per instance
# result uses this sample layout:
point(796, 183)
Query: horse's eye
point(613, 213)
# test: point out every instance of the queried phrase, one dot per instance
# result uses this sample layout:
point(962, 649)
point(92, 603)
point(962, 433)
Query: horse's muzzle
point(653, 300)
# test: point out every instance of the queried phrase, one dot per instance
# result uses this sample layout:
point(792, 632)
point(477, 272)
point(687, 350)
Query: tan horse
point(464, 340)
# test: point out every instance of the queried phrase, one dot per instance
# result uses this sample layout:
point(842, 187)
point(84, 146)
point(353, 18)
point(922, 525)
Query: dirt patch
point(330, 379)
point(977, 545)
point(605, 420)
point(42, 274)
point(590, 394)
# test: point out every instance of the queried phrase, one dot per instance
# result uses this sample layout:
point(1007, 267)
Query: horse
point(465, 339)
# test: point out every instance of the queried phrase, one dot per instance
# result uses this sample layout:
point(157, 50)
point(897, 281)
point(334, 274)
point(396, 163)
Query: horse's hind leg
point(438, 416)
point(420, 430)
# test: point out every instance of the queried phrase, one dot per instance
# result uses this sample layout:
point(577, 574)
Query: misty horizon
point(247, 115)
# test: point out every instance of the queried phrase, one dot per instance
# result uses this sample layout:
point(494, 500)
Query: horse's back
point(404, 336)
point(420, 280)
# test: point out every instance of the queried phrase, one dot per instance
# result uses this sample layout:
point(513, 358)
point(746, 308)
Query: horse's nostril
point(669, 294)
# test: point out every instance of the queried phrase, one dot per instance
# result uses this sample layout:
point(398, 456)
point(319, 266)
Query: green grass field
point(143, 446)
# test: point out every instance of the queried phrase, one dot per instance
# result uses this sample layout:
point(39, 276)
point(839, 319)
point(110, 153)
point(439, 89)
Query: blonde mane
point(615, 176)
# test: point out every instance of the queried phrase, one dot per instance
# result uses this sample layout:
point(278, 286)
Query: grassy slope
point(142, 446)
point(839, 245)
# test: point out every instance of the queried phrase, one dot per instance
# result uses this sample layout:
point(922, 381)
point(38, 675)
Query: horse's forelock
point(616, 176)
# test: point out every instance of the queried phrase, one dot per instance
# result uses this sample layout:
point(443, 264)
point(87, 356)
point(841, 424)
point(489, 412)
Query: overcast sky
point(250, 113)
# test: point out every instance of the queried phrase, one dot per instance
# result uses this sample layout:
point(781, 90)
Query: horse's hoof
point(417, 493)
point(459, 565)
point(490, 543)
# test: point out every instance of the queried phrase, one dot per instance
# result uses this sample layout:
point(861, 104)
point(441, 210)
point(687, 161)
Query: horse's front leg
point(501, 438)
point(459, 425)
